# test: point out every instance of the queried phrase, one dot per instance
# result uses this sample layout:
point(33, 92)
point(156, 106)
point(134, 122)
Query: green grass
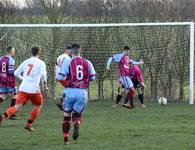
point(156, 128)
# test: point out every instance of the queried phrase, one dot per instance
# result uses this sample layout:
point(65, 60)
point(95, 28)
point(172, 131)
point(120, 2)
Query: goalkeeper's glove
point(143, 86)
point(108, 69)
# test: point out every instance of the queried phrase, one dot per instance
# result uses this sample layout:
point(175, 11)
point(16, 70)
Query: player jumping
point(7, 79)
point(79, 72)
point(124, 61)
point(60, 59)
point(31, 71)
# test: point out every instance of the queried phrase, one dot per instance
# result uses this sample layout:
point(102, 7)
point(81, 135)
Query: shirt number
point(79, 72)
point(3, 67)
point(30, 66)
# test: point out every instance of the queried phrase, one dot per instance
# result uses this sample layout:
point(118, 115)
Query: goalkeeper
point(138, 82)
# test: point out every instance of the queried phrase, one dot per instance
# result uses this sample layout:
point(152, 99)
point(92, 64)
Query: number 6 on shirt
point(79, 72)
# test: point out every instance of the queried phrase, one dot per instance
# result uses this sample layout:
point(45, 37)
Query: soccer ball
point(162, 101)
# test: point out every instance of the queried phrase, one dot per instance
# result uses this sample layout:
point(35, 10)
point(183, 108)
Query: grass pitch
point(171, 127)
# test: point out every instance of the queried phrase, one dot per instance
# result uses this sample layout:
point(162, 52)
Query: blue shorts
point(75, 99)
point(126, 82)
point(8, 90)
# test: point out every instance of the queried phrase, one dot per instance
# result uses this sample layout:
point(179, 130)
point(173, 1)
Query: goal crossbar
point(93, 25)
point(190, 24)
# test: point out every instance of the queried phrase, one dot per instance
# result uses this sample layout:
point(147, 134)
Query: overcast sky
point(21, 2)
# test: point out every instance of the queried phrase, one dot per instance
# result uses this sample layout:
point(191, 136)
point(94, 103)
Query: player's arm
point(64, 70)
point(44, 77)
point(58, 62)
point(92, 72)
point(19, 71)
point(109, 62)
point(115, 58)
point(141, 62)
point(11, 67)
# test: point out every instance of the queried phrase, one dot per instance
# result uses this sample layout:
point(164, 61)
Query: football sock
point(10, 111)
point(66, 127)
point(141, 98)
point(13, 102)
point(1, 100)
point(76, 118)
point(33, 115)
point(118, 98)
point(130, 97)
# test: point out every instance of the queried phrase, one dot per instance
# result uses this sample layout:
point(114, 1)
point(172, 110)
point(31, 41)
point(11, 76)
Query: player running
point(60, 59)
point(124, 61)
point(79, 72)
point(31, 71)
point(138, 82)
point(7, 79)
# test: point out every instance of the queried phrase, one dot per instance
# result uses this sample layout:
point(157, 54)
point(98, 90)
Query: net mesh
point(164, 49)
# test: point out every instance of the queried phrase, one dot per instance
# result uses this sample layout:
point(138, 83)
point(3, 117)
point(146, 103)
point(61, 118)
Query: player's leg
point(76, 119)
point(13, 102)
point(121, 92)
point(60, 103)
point(128, 84)
point(21, 100)
point(129, 97)
point(2, 97)
point(37, 101)
point(139, 89)
point(66, 127)
point(79, 106)
point(3, 93)
point(68, 103)
point(33, 115)
point(141, 97)
point(11, 110)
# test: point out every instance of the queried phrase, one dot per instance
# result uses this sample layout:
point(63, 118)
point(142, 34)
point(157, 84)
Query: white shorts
point(126, 82)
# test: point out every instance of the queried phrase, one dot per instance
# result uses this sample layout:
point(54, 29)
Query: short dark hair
point(126, 48)
point(35, 50)
point(68, 47)
point(9, 49)
point(75, 48)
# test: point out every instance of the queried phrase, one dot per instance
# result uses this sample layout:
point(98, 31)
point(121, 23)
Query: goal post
point(191, 101)
point(190, 25)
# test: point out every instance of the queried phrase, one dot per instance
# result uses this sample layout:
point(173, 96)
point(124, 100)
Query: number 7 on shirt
point(30, 66)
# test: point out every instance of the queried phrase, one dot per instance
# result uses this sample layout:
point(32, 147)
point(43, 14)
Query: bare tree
point(7, 11)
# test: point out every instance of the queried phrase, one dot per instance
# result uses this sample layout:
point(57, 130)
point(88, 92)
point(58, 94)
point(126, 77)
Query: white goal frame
point(190, 24)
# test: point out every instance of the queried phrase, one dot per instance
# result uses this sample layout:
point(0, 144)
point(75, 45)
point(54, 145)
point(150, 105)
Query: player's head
point(68, 50)
point(131, 65)
point(76, 49)
point(11, 51)
point(126, 50)
point(36, 51)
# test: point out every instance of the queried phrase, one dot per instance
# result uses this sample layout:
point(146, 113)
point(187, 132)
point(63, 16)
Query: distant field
point(156, 128)
point(93, 90)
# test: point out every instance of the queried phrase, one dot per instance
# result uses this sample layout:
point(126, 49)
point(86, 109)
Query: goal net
point(166, 48)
